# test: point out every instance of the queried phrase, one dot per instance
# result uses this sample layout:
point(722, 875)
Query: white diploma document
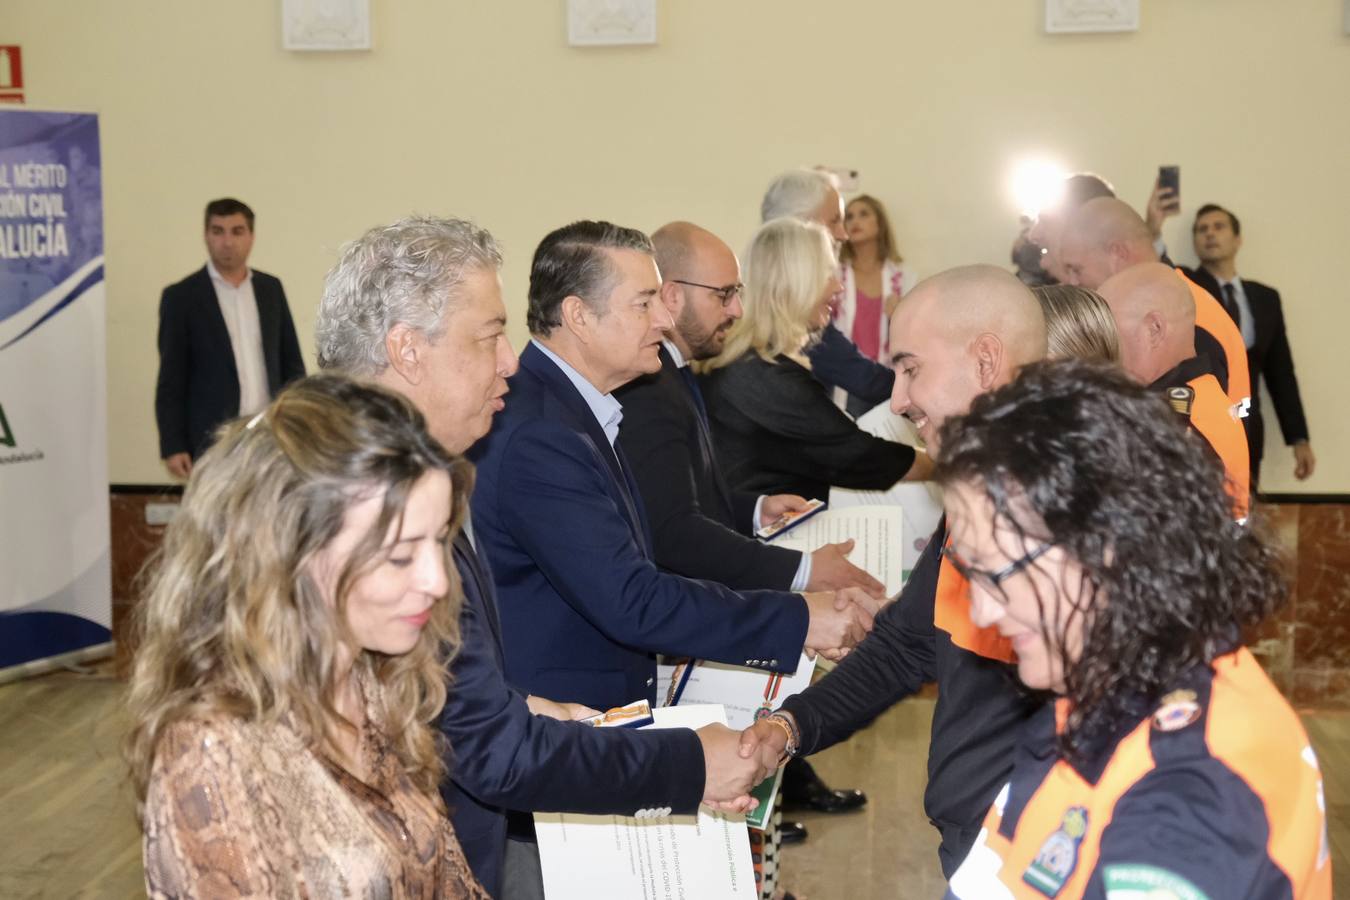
point(745, 694)
point(652, 857)
point(878, 533)
point(920, 502)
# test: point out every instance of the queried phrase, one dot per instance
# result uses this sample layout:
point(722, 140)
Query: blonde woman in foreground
point(293, 636)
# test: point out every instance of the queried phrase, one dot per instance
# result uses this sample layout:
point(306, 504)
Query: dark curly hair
point(1078, 455)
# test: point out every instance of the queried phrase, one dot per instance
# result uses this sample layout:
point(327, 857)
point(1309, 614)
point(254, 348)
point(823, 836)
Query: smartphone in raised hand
point(1169, 179)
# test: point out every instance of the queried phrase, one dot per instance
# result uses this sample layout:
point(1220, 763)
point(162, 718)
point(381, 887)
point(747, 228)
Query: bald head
point(700, 287)
point(1155, 317)
point(1045, 232)
point(956, 335)
point(1102, 237)
point(965, 302)
point(679, 245)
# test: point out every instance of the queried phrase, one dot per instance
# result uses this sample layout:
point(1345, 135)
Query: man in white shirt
point(227, 343)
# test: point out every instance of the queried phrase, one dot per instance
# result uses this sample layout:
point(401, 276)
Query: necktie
point(692, 383)
point(1230, 303)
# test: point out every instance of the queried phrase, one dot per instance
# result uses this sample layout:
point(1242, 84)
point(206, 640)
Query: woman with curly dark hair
point(1097, 536)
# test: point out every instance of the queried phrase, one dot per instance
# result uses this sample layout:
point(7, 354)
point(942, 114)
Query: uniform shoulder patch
point(1131, 881)
point(1181, 399)
point(1058, 856)
point(1177, 710)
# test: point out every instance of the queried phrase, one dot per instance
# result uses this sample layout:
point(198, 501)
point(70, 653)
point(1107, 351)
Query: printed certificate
point(651, 857)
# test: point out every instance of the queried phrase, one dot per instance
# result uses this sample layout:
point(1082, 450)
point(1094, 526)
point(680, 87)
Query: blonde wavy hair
point(230, 620)
point(1078, 324)
point(787, 266)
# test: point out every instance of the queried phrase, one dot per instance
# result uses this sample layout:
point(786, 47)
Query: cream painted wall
point(480, 109)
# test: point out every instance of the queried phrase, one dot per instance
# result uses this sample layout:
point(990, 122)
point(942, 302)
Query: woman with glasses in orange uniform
point(1098, 538)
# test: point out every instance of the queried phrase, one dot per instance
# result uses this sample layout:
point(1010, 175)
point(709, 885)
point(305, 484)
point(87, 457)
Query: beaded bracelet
point(793, 742)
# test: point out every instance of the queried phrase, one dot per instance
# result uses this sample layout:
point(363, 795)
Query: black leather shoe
point(819, 797)
point(791, 833)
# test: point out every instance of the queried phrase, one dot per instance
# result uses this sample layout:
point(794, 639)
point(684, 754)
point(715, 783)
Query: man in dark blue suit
point(416, 306)
point(584, 606)
point(227, 344)
point(1257, 310)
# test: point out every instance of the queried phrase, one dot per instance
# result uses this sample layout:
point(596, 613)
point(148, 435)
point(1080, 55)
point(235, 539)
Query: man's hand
point(563, 712)
point(837, 623)
point(1162, 203)
point(763, 741)
point(730, 774)
point(179, 465)
point(775, 505)
point(831, 570)
point(869, 604)
point(1304, 461)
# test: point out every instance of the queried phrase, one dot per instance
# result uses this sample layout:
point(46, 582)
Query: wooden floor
point(67, 827)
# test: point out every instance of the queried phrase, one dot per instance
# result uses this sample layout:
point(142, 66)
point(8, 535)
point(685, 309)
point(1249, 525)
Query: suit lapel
point(476, 579)
point(533, 360)
point(1262, 315)
point(699, 411)
point(269, 330)
point(213, 323)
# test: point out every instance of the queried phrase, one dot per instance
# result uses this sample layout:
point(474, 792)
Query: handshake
point(735, 762)
point(838, 621)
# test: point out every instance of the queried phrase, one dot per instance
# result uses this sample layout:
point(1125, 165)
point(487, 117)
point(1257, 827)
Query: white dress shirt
point(608, 412)
point(239, 308)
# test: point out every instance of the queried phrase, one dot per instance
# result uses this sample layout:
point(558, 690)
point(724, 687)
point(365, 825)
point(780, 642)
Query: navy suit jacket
point(198, 386)
point(584, 608)
point(837, 362)
point(504, 758)
point(700, 526)
point(1269, 356)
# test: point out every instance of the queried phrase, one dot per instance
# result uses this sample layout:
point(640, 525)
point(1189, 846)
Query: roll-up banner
point(55, 577)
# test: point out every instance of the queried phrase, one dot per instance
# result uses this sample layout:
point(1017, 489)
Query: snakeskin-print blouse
point(238, 809)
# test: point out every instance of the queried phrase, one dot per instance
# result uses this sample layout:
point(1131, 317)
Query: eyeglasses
point(725, 294)
point(984, 576)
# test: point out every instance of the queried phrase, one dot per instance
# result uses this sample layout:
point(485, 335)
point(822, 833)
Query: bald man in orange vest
point(1104, 237)
point(1155, 317)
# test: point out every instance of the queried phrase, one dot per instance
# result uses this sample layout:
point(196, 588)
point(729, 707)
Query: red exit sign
point(11, 74)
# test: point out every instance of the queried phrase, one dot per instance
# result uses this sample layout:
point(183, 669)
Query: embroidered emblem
point(1181, 399)
point(1123, 881)
point(1178, 710)
point(1058, 856)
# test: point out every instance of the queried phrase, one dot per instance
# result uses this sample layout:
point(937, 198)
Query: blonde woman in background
point(293, 639)
point(774, 425)
point(1078, 324)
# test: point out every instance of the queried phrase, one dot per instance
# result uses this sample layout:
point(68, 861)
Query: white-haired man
point(812, 196)
point(416, 306)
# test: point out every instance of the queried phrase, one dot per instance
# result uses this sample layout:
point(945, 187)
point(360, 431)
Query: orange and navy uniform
point(926, 636)
point(1218, 335)
point(1195, 395)
point(1214, 794)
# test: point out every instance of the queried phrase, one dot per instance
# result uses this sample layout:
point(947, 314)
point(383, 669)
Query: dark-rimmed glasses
point(725, 294)
point(986, 577)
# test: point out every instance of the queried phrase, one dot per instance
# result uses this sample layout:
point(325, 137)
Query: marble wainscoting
point(139, 514)
point(1306, 646)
